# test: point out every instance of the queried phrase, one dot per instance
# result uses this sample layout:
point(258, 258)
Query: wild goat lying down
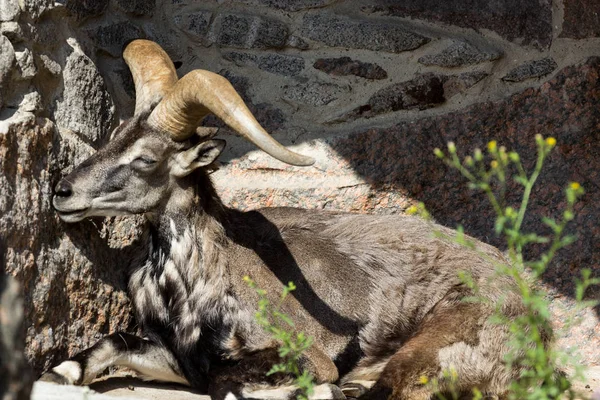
point(380, 294)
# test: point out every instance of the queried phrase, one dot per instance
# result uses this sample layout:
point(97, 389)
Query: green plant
point(281, 328)
point(490, 173)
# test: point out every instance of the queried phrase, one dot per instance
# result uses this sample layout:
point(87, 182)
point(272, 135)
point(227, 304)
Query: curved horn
point(202, 92)
point(153, 72)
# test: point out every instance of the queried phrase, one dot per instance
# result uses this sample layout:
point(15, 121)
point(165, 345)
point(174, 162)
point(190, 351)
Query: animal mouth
point(72, 212)
point(72, 215)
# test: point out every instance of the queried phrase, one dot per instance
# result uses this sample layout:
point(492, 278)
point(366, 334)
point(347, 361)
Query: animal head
point(153, 152)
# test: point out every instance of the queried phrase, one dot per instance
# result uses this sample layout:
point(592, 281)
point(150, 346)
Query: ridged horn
point(202, 92)
point(152, 70)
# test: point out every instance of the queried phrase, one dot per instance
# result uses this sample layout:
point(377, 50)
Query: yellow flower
point(550, 141)
point(492, 145)
point(494, 164)
point(575, 186)
point(412, 210)
point(423, 380)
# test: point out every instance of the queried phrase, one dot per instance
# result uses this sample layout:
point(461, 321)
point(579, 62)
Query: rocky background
point(369, 87)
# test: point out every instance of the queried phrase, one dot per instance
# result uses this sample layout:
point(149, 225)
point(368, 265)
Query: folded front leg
point(152, 361)
point(247, 378)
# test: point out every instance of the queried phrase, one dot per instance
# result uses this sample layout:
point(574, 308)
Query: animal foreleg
point(150, 360)
point(247, 378)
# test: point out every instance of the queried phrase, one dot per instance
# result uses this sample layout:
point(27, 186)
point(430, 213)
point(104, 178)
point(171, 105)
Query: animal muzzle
point(67, 205)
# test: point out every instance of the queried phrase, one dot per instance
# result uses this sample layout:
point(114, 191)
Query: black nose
point(63, 189)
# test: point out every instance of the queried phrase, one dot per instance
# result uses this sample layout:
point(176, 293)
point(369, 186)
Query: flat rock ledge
point(127, 388)
point(130, 389)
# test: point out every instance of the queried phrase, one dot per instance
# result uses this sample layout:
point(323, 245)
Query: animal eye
point(143, 162)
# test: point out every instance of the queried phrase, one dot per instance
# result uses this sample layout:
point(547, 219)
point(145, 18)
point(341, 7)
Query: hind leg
point(422, 356)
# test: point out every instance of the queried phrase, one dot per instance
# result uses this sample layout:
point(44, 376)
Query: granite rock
point(85, 106)
point(581, 19)
point(25, 64)
point(12, 30)
point(313, 93)
point(531, 69)
point(195, 23)
point(50, 65)
point(9, 10)
point(240, 83)
point(460, 54)
point(297, 42)
point(422, 92)
point(292, 5)
point(275, 63)
point(112, 37)
point(455, 84)
point(7, 65)
point(336, 31)
point(138, 7)
point(270, 34)
point(234, 30)
point(249, 32)
point(126, 81)
point(35, 8)
point(7, 59)
point(30, 102)
point(526, 21)
point(344, 66)
point(269, 116)
point(15, 375)
point(84, 9)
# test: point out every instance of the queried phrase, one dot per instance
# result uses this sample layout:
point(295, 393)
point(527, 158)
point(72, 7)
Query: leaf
point(521, 180)
point(499, 225)
point(283, 317)
point(276, 368)
point(551, 223)
point(568, 240)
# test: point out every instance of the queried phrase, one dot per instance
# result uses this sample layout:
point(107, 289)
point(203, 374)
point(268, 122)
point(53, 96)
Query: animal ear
point(198, 156)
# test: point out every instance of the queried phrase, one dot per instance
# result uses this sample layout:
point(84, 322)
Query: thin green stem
point(528, 187)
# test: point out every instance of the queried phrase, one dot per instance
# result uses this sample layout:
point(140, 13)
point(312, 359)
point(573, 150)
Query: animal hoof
point(327, 391)
point(353, 390)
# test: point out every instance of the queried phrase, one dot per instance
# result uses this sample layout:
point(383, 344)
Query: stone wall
point(369, 87)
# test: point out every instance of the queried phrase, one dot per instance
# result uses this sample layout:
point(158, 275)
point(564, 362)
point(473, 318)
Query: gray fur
point(374, 291)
